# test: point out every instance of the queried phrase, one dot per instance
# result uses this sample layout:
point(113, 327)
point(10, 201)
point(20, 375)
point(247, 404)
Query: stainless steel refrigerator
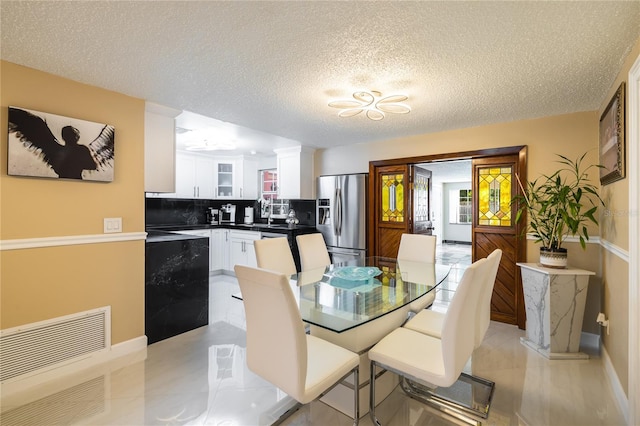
point(341, 216)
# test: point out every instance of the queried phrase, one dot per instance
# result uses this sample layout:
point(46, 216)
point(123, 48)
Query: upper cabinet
point(250, 177)
point(159, 148)
point(194, 176)
point(209, 177)
point(295, 172)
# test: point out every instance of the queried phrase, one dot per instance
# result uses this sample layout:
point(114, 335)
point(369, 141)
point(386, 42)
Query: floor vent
point(32, 348)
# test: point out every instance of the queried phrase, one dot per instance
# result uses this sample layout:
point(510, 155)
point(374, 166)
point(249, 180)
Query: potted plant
point(559, 205)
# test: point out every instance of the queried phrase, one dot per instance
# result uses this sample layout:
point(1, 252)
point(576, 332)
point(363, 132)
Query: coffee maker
point(228, 213)
point(213, 216)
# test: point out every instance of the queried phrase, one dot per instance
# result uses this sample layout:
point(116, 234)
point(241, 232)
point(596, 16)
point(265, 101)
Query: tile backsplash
point(180, 211)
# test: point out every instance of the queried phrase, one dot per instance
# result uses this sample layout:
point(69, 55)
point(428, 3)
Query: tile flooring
point(200, 378)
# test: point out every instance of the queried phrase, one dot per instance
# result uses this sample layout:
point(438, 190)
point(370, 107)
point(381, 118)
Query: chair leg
point(356, 398)
point(372, 395)
point(450, 406)
point(284, 416)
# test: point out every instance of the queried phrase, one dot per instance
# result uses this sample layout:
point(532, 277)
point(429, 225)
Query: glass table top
point(343, 296)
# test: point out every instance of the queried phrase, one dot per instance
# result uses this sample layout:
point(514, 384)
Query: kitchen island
point(176, 284)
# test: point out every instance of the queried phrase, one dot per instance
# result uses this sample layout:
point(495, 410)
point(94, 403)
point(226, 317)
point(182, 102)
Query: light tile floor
point(201, 378)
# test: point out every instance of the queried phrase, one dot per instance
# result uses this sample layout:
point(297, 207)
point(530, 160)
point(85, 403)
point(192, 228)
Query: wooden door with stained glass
point(420, 190)
point(390, 220)
point(494, 226)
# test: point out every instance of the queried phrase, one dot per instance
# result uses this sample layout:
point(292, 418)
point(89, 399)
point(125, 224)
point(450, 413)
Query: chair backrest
point(484, 302)
point(276, 341)
point(458, 328)
point(313, 251)
point(417, 247)
point(274, 254)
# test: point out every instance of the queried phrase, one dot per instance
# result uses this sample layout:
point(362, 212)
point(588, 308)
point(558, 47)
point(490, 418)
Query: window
point(269, 192)
point(460, 206)
point(392, 196)
point(494, 196)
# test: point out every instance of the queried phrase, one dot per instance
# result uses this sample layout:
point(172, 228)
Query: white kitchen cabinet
point(159, 148)
point(249, 184)
point(210, 177)
point(221, 246)
point(295, 172)
point(226, 181)
point(195, 176)
point(242, 251)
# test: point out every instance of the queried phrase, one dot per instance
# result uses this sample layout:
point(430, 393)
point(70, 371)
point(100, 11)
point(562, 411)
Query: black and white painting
point(49, 145)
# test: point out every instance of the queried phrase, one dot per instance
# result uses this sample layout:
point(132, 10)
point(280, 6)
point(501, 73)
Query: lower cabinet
point(176, 288)
point(242, 251)
point(220, 250)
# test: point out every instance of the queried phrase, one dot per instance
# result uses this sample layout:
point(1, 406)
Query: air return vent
point(40, 346)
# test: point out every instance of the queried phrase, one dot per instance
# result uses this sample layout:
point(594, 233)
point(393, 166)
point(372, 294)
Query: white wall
point(453, 231)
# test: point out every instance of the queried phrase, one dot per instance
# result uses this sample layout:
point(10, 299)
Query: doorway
point(394, 190)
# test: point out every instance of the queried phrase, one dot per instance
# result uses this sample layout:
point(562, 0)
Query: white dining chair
point(303, 366)
point(430, 361)
point(418, 248)
point(275, 254)
point(430, 322)
point(313, 251)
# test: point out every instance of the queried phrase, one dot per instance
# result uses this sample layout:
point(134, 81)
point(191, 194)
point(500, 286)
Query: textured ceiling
point(274, 66)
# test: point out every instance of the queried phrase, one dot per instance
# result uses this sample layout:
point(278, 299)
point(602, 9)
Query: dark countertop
point(281, 228)
point(154, 236)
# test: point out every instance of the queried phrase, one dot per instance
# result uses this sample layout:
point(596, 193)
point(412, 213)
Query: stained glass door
point(494, 186)
point(392, 208)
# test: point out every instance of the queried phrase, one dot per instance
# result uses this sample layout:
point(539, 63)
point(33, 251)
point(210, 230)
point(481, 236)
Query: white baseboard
point(135, 349)
point(618, 392)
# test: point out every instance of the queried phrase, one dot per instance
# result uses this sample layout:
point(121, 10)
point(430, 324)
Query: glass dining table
point(341, 297)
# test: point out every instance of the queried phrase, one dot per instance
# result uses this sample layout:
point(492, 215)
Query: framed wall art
point(612, 139)
point(41, 144)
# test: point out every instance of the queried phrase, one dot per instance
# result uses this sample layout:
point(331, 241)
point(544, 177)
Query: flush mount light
point(206, 145)
point(373, 104)
point(209, 140)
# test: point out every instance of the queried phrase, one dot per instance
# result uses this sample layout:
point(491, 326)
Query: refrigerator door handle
point(336, 213)
point(340, 211)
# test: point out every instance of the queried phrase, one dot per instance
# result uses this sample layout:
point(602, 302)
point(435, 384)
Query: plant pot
point(553, 258)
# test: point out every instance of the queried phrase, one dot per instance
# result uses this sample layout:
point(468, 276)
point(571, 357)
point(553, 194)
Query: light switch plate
point(112, 224)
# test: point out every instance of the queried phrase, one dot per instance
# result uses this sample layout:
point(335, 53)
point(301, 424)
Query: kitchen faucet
point(269, 218)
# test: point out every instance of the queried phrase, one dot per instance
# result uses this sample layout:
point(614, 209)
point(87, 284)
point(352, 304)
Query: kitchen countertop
point(281, 228)
point(154, 236)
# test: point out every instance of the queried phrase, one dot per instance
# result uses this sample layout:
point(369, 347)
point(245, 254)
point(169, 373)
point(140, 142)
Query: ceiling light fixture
point(373, 104)
point(209, 139)
point(206, 145)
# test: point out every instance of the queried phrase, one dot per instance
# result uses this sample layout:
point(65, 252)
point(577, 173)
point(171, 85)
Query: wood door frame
point(519, 150)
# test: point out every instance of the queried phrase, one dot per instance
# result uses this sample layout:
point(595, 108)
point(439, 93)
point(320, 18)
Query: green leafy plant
point(560, 205)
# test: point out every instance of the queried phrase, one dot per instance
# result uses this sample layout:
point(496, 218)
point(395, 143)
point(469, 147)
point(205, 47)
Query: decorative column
point(554, 301)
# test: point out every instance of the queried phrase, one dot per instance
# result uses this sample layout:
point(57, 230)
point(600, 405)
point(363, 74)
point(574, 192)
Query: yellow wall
point(615, 231)
point(42, 283)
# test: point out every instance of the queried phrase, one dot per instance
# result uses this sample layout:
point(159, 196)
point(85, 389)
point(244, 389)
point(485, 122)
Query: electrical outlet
point(603, 321)
point(112, 225)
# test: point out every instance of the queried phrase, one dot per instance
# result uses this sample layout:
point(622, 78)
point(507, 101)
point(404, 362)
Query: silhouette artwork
point(49, 145)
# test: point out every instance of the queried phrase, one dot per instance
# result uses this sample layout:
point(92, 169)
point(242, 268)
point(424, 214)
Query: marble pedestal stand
point(554, 300)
